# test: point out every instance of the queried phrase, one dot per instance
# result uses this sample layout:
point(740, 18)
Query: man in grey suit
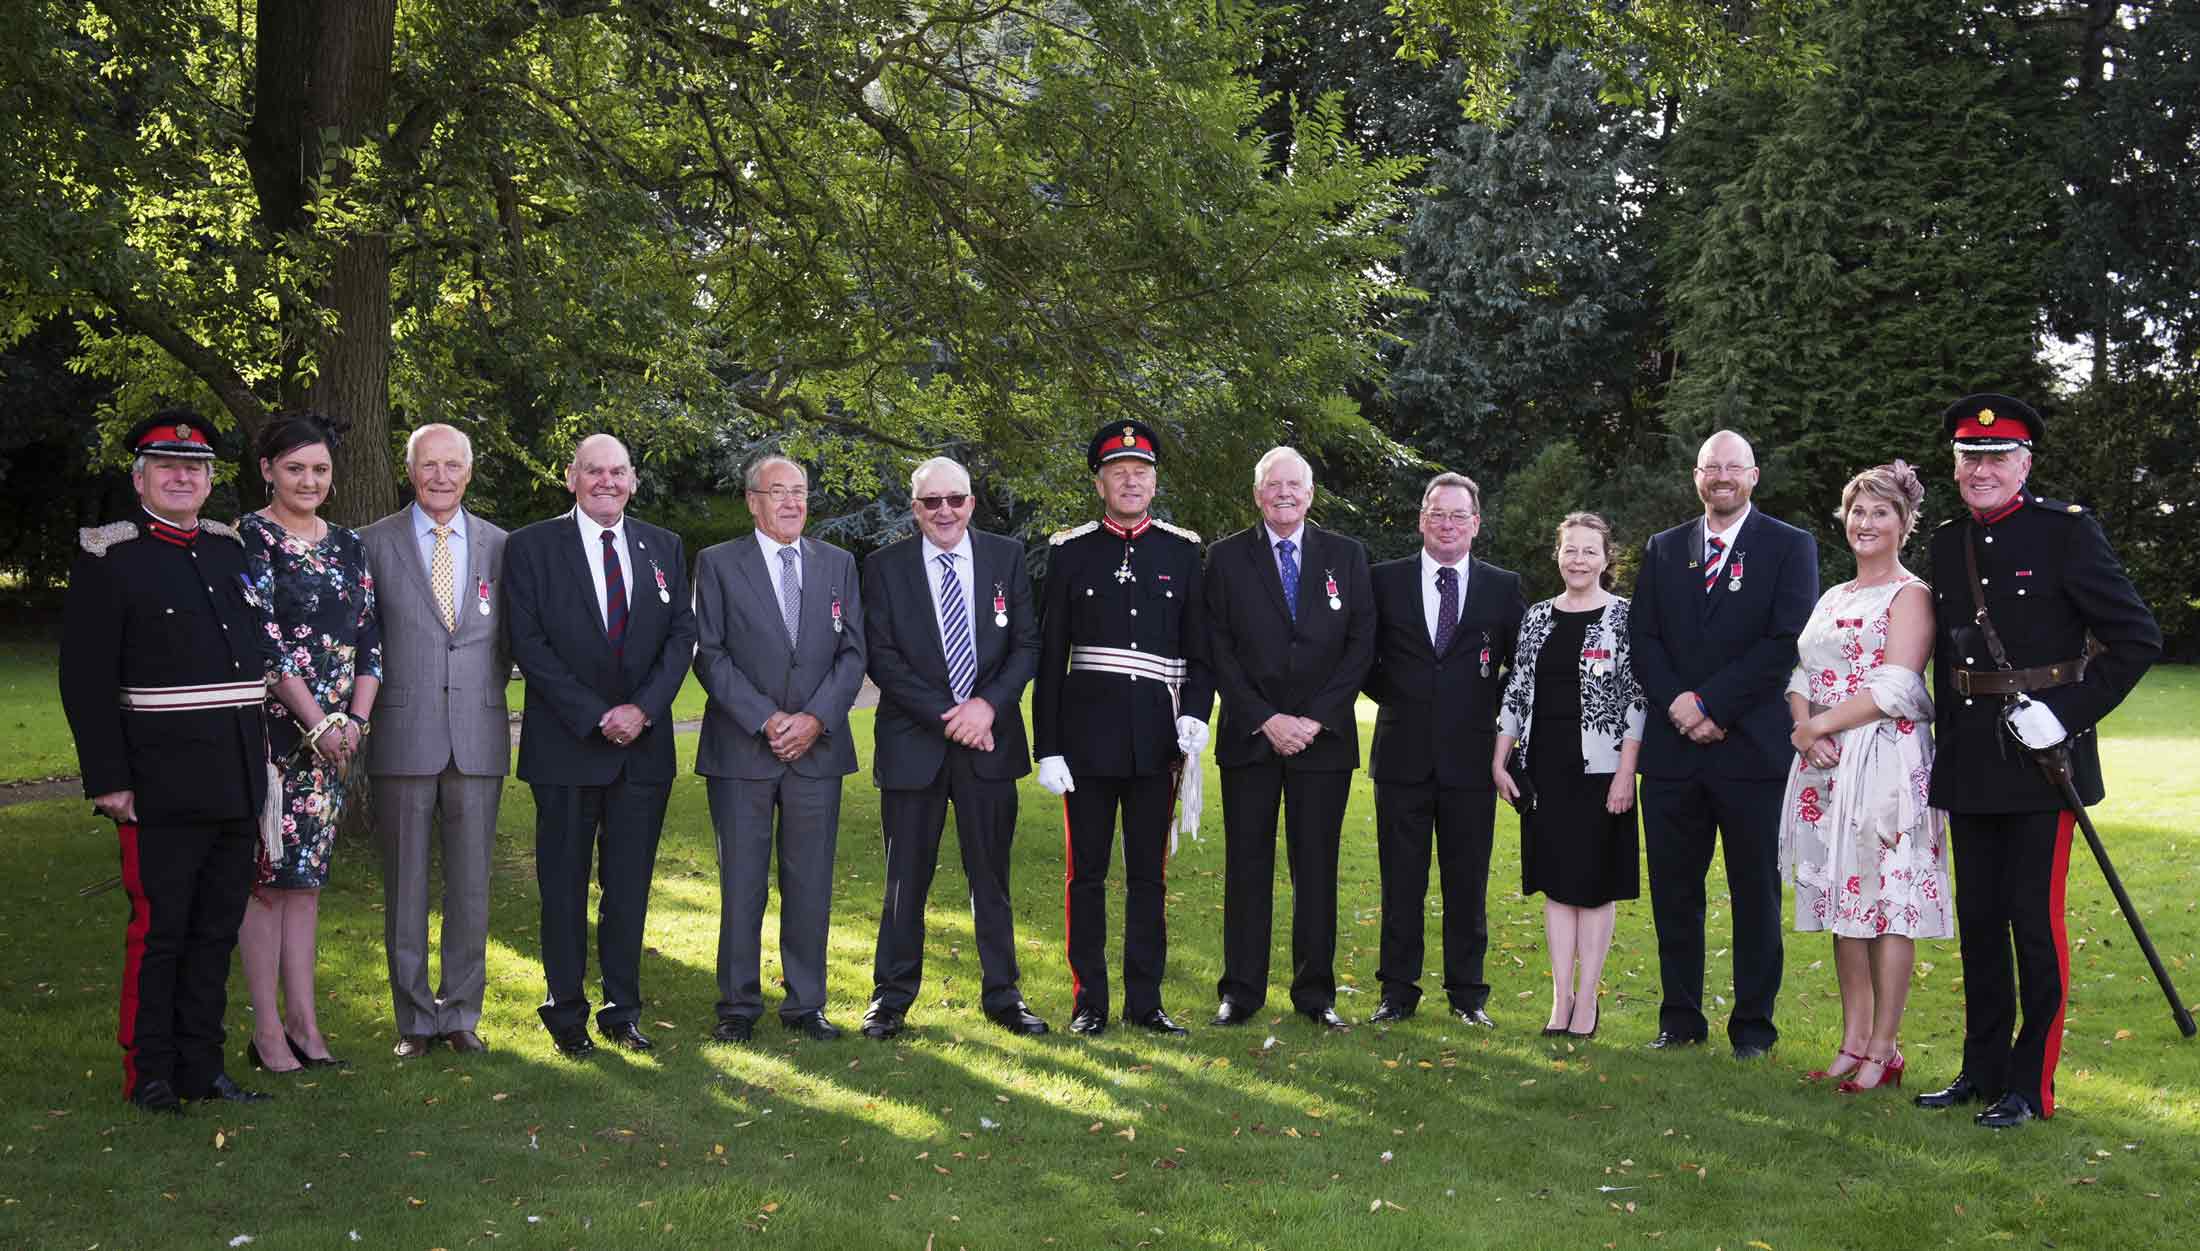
point(444, 745)
point(780, 625)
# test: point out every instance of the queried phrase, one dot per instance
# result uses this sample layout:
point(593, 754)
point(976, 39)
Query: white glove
point(2034, 724)
point(1191, 735)
point(1054, 775)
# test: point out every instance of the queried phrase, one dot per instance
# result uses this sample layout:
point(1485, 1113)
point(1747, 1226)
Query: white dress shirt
point(1429, 602)
point(592, 543)
point(1298, 548)
point(1725, 536)
point(965, 573)
point(424, 534)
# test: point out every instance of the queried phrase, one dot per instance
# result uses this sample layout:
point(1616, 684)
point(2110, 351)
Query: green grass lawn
point(34, 737)
point(958, 1135)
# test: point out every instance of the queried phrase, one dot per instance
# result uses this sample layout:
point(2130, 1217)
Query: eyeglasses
point(782, 493)
point(1455, 516)
point(931, 503)
point(1728, 471)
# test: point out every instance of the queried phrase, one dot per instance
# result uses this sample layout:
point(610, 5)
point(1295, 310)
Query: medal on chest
point(1336, 601)
point(1123, 571)
point(1000, 607)
point(481, 596)
point(837, 627)
point(251, 593)
point(1734, 573)
point(1485, 653)
point(1599, 658)
point(664, 593)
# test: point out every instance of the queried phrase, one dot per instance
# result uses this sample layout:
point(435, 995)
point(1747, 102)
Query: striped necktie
point(614, 594)
point(962, 663)
point(790, 595)
point(1714, 547)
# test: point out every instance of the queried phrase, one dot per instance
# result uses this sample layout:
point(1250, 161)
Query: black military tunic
point(164, 659)
point(2050, 581)
point(1135, 590)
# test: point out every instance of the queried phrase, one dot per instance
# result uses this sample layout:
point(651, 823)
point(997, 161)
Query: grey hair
point(412, 441)
point(1449, 479)
point(1274, 454)
point(933, 466)
point(143, 459)
point(753, 480)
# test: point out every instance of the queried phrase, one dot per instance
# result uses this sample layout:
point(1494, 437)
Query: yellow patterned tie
point(439, 578)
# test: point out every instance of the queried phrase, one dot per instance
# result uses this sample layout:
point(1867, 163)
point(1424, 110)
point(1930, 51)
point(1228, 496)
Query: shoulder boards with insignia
point(1063, 536)
point(97, 539)
point(1951, 521)
point(1189, 536)
point(216, 527)
point(2057, 506)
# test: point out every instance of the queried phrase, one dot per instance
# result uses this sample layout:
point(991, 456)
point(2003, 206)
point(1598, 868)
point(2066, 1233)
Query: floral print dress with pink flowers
point(1867, 852)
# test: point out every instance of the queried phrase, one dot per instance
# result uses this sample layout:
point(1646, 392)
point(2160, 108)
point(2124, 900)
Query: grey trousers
point(414, 816)
point(807, 835)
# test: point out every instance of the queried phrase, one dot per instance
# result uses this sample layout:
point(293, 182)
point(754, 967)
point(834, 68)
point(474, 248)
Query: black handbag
point(1516, 764)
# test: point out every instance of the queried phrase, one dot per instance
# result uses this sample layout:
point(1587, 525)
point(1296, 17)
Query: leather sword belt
point(2018, 681)
point(1132, 664)
point(193, 698)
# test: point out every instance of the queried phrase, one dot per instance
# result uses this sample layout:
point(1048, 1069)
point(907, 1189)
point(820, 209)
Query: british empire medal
point(481, 596)
point(1734, 582)
point(1336, 601)
point(664, 593)
point(1485, 660)
point(1000, 607)
point(836, 610)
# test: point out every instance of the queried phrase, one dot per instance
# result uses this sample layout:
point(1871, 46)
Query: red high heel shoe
point(1819, 1075)
point(1890, 1074)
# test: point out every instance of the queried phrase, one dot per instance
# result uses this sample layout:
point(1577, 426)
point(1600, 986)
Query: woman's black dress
point(1571, 849)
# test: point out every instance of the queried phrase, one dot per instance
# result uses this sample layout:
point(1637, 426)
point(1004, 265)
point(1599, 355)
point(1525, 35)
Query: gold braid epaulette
point(1063, 536)
point(97, 539)
point(1190, 536)
point(216, 527)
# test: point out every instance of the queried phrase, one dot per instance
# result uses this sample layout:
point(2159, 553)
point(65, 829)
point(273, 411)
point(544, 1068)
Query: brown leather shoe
point(465, 1042)
point(414, 1046)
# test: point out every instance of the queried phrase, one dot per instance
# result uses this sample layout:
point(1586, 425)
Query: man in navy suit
point(954, 639)
point(1447, 625)
point(602, 628)
point(1717, 609)
point(1291, 622)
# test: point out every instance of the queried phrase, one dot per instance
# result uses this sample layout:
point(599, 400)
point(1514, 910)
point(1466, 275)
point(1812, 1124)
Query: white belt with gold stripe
point(1133, 664)
point(193, 698)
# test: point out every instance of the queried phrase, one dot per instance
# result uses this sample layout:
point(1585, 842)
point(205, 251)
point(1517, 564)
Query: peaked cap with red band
point(1992, 423)
point(1119, 439)
point(177, 432)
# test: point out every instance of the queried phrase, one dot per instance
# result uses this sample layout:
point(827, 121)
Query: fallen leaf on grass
point(1127, 1134)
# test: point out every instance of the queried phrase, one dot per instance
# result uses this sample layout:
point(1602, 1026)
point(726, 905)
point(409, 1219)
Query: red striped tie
point(1717, 547)
point(614, 594)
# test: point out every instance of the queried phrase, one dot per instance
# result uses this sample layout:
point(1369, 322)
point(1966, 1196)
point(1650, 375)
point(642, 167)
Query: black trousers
point(1089, 814)
point(985, 827)
point(1313, 806)
point(1682, 817)
point(2010, 871)
point(1463, 820)
point(616, 826)
point(187, 886)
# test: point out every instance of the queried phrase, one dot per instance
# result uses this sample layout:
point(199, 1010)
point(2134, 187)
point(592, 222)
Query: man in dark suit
point(1120, 708)
point(954, 638)
point(444, 741)
point(1447, 625)
point(602, 627)
point(781, 657)
point(1291, 630)
point(2053, 590)
point(1717, 609)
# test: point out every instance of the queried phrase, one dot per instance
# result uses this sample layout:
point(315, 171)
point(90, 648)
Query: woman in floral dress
point(314, 578)
point(1866, 850)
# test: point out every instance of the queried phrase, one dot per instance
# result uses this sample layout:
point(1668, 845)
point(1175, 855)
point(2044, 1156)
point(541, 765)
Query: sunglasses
point(930, 503)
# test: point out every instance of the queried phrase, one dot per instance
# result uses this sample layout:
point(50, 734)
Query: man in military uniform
point(2020, 585)
point(1122, 699)
point(164, 655)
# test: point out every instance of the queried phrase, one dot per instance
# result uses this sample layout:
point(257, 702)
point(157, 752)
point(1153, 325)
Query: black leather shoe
point(813, 1026)
point(1955, 1094)
point(1751, 1051)
point(573, 1042)
point(1477, 1018)
point(413, 1046)
point(465, 1042)
point(1326, 1017)
point(2008, 1112)
point(325, 1062)
point(1231, 1012)
point(1390, 1012)
point(733, 1029)
point(882, 1022)
point(1018, 1018)
point(627, 1036)
point(154, 1094)
point(225, 1088)
point(1160, 1022)
point(1667, 1040)
point(1091, 1022)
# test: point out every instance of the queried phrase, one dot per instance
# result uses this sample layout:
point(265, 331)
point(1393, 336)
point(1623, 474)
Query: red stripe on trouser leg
point(1069, 879)
point(2055, 925)
point(133, 952)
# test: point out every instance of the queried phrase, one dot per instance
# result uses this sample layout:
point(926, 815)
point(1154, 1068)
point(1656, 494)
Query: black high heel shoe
point(252, 1053)
point(325, 1062)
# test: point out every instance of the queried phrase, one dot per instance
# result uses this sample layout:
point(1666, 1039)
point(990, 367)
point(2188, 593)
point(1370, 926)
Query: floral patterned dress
point(327, 631)
point(1867, 852)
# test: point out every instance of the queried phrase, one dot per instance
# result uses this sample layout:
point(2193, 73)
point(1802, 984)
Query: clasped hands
point(623, 724)
point(1819, 751)
point(1692, 720)
point(338, 743)
point(790, 734)
point(1290, 735)
point(970, 723)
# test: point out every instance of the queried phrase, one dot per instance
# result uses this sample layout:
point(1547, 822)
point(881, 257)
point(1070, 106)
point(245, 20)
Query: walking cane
point(2056, 764)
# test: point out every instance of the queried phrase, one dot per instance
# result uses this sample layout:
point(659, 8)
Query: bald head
point(602, 478)
point(1726, 475)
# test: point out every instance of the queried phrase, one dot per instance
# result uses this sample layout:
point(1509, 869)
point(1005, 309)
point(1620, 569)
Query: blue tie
point(962, 664)
point(1290, 570)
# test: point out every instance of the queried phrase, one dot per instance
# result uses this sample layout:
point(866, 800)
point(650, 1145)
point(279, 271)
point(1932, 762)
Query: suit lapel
point(413, 561)
point(1719, 594)
point(1472, 605)
point(476, 575)
point(914, 577)
point(987, 638)
point(820, 587)
point(1263, 554)
point(580, 565)
point(748, 558)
